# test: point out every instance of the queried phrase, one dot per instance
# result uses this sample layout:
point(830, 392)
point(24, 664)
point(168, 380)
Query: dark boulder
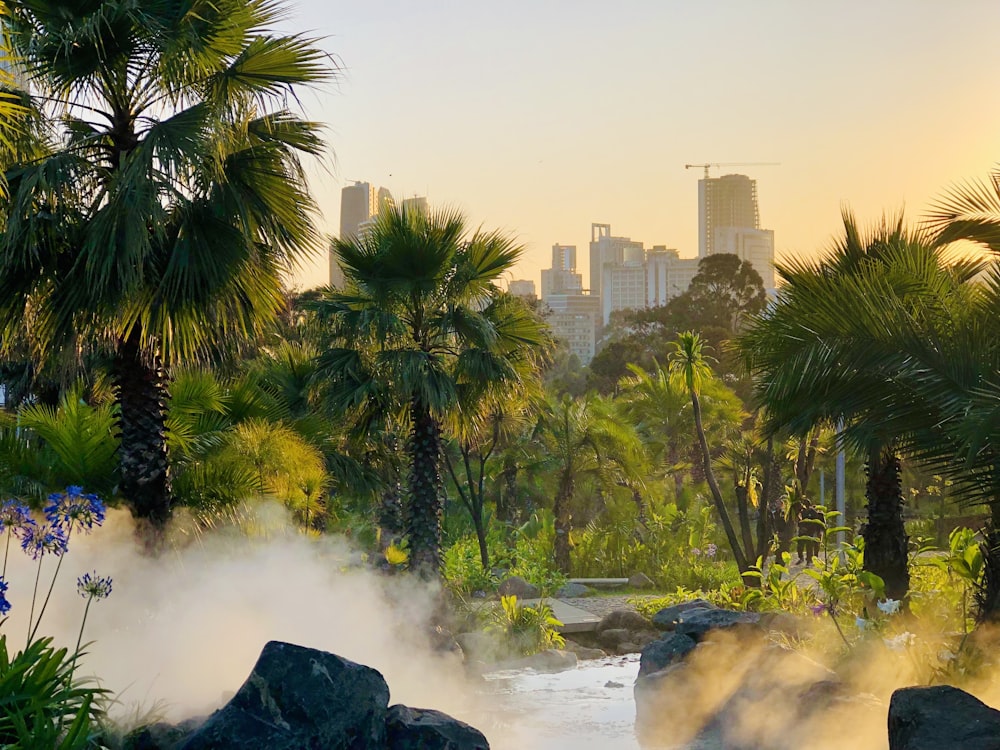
point(297, 698)
point(424, 729)
point(517, 586)
point(698, 623)
point(160, 735)
point(664, 652)
point(623, 619)
point(666, 618)
point(941, 718)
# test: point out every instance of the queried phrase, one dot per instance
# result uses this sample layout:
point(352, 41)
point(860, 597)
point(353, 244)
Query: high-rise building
point(667, 275)
point(573, 318)
point(562, 278)
point(727, 201)
point(624, 287)
point(756, 246)
point(358, 204)
point(522, 288)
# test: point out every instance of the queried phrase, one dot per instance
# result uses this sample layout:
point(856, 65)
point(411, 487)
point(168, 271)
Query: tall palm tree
point(165, 197)
point(835, 347)
point(420, 329)
point(689, 366)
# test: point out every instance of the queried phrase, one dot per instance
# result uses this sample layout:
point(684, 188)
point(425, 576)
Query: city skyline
point(541, 122)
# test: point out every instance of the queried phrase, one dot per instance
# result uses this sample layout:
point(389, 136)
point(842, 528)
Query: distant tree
point(723, 293)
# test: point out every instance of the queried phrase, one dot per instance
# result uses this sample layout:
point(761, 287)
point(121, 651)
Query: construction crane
point(733, 164)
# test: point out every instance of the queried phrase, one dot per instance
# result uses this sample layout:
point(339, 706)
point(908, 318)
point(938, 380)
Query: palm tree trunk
point(885, 535)
point(142, 392)
point(768, 497)
point(720, 506)
point(562, 521)
point(425, 506)
point(743, 511)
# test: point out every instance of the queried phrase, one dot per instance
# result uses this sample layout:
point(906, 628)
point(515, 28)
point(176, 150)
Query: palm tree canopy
point(166, 196)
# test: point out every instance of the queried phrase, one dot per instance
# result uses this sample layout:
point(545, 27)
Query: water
point(571, 710)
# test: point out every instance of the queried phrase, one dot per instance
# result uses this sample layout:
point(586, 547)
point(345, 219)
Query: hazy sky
point(540, 117)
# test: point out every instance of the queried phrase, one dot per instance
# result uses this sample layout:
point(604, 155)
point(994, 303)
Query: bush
point(524, 630)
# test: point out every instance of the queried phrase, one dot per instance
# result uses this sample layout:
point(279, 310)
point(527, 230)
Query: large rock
point(666, 618)
point(941, 718)
point(640, 580)
point(550, 660)
point(625, 619)
point(698, 623)
point(297, 698)
point(583, 652)
point(573, 591)
point(661, 653)
point(424, 729)
point(160, 735)
point(517, 586)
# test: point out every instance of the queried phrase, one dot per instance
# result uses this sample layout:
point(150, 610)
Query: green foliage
point(42, 705)
point(525, 630)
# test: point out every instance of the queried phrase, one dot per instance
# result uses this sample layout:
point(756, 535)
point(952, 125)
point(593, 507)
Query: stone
point(550, 660)
point(623, 619)
point(661, 653)
point(583, 652)
point(478, 645)
point(613, 684)
point(640, 581)
point(298, 697)
point(941, 717)
point(573, 591)
point(517, 586)
point(698, 623)
point(160, 735)
point(666, 618)
point(425, 729)
point(612, 637)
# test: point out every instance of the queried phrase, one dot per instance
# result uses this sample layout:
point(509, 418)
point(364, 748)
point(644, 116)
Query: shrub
point(525, 630)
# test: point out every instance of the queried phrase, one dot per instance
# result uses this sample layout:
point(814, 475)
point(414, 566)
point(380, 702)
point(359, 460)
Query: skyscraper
point(562, 278)
point(727, 201)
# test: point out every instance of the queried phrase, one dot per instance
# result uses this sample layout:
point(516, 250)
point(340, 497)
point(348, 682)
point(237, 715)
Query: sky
point(539, 117)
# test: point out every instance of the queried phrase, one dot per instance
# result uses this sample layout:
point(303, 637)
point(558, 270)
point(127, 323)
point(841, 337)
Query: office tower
point(358, 204)
point(573, 318)
point(416, 203)
point(624, 287)
point(607, 252)
point(522, 288)
point(562, 278)
point(755, 246)
point(727, 201)
point(667, 275)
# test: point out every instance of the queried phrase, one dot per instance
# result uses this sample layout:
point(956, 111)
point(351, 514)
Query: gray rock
point(941, 718)
point(551, 660)
point(160, 735)
point(663, 652)
point(613, 684)
point(424, 729)
point(573, 591)
point(478, 646)
point(517, 586)
point(298, 697)
point(612, 637)
point(623, 618)
point(666, 618)
point(697, 623)
point(583, 652)
point(640, 581)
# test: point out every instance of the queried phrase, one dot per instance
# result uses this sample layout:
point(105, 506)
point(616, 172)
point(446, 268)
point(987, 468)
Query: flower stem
point(837, 625)
point(34, 596)
point(6, 552)
point(45, 604)
point(79, 638)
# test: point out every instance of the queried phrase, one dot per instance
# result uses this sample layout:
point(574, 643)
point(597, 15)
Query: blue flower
point(73, 509)
point(92, 586)
point(41, 540)
point(4, 604)
point(14, 516)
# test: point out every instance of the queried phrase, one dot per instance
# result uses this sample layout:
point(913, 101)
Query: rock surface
point(661, 653)
point(640, 581)
point(551, 660)
point(424, 729)
point(941, 718)
point(517, 586)
point(698, 623)
point(623, 619)
point(298, 697)
point(573, 591)
point(666, 618)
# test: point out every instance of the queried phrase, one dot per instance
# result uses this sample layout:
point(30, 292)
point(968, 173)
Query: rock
point(666, 618)
point(623, 619)
point(941, 718)
point(517, 586)
point(583, 652)
point(784, 622)
point(551, 660)
point(662, 653)
point(613, 684)
point(612, 637)
point(697, 623)
point(573, 591)
point(424, 729)
point(640, 581)
point(161, 735)
point(298, 697)
point(478, 646)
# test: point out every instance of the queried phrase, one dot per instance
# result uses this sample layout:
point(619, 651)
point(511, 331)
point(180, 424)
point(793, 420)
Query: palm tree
point(165, 198)
point(420, 329)
point(584, 440)
point(689, 366)
point(835, 346)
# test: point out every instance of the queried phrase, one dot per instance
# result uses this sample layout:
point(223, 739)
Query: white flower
point(889, 606)
point(899, 642)
point(946, 656)
point(861, 623)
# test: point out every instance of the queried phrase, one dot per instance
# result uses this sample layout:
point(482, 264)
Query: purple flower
point(818, 609)
point(38, 541)
point(92, 586)
point(710, 550)
point(73, 509)
point(14, 516)
point(4, 604)
point(695, 551)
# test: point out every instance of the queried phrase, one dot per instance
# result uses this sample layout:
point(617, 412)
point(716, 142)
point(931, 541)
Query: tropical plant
point(525, 630)
point(165, 197)
point(418, 330)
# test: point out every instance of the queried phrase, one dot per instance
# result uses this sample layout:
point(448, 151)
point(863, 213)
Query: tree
point(689, 366)
point(418, 330)
point(724, 292)
point(165, 198)
point(813, 364)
